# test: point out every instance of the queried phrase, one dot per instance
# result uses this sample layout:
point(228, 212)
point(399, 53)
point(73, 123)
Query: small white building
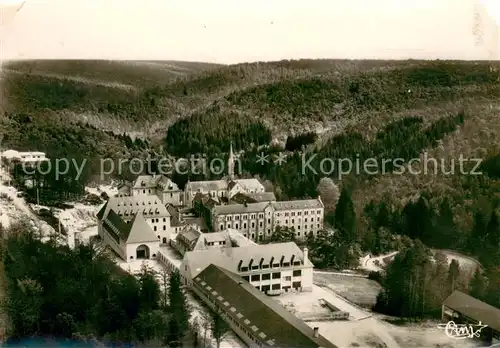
point(29, 157)
point(271, 268)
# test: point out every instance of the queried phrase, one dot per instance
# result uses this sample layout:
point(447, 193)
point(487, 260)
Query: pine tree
point(345, 216)
point(446, 228)
point(493, 230)
point(477, 285)
point(150, 290)
point(478, 233)
point(453, 274)
point(178, 306)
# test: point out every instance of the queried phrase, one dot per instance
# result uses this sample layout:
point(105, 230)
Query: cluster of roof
point(263, 317)
point(179, 219)
point(193, 239)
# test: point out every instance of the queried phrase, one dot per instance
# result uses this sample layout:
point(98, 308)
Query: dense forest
point(81, 295)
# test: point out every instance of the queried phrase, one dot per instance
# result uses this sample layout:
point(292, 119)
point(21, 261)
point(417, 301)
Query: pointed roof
point(140, 231)
point(101, 212)
point(114, 223)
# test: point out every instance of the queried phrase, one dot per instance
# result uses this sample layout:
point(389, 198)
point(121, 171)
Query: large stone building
point(258, 221)
point(271, 268)
point(150, 207)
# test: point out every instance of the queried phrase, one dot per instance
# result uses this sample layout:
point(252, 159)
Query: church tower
point(230, 163)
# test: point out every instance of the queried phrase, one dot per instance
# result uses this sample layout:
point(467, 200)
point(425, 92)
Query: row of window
point(266, 288)
point(261, 215)
point(299, 213)
point(268, 265)
point(244, 217)
point(318, 219)
point(268, 276)
point(124, 204)
point(144, 212)
point(237, 227)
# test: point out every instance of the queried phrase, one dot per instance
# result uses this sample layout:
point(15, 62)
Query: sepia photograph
point(261, 174)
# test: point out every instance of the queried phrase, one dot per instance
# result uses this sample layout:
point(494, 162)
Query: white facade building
point(258, 221)
point(271, 268)
point(130, 240)
point(30, 157)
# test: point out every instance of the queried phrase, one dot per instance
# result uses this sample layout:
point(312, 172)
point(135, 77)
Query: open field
point(360, 291)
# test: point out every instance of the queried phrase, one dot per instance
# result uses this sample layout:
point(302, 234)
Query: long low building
point(258, 320)
point(462, 308)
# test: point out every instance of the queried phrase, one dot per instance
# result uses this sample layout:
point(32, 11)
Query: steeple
point(230, 163)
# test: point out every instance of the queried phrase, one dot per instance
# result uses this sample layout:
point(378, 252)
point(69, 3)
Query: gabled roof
point(140, 231)
point(101, 212)
point(206, 200)
point(232, 184)
point(259, 314)
point(250, 184)
point(474, 309)
point(115, 224)
point(124, 185)
point(204, 186)
point(166, 184)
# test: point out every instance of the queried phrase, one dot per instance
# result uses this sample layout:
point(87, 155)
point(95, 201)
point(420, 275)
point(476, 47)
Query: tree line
point(55, 292)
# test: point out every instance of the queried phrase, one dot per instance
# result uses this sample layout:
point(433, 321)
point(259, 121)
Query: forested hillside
point(81, 295)
point(356, 110)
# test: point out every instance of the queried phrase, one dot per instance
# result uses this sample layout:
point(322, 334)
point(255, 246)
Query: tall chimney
point(306, 254)
point(316, 332)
